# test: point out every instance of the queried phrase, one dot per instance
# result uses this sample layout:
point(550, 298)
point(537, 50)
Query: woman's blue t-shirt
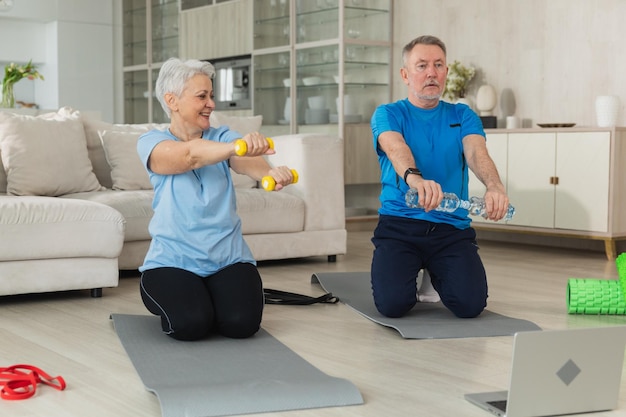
point(435, 137)
point(195, 225)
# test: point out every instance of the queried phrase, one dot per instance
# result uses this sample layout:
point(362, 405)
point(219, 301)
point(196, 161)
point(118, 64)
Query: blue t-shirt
point(195, 224)
point(435, 137)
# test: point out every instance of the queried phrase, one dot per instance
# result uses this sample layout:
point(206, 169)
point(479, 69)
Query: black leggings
point(191, 307)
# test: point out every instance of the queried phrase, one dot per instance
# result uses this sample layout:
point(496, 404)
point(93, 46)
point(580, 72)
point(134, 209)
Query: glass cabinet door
point(340, 54)
point(366, 81)
point(150, 36)
point(135, 29)
point(272, 89)
point(158, 114)
point(317, 20)
point(317, 72)
point(164, 25)
point(136, 96)
point(367, 20)
point(271, 23)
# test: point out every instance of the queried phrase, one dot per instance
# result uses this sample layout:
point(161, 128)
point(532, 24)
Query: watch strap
point(410, 171)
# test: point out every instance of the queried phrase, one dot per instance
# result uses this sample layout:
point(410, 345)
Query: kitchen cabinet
point(324, 66)
point(562, 182)
point(150, 36)
point(217, 31)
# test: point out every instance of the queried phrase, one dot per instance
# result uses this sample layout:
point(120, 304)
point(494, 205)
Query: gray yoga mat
point(426, 320)
point(220, 376)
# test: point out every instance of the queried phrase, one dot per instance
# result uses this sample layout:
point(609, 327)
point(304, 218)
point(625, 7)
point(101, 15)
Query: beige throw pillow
point(45, 155)
point(95, 149)
point(243, 125)
point(127, 171)
point(3, 176)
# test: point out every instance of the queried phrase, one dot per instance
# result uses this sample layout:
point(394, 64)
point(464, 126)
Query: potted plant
point(12, 74)
point(459, 78)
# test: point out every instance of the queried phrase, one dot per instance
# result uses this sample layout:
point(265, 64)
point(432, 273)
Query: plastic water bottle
point(475, 205)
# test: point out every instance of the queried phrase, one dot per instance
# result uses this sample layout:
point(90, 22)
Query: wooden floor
point(70, 334)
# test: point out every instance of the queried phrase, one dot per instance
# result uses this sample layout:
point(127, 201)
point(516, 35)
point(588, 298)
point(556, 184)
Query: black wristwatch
point(410, 171)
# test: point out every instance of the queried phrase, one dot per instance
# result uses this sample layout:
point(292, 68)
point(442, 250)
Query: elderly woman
point(199, 275)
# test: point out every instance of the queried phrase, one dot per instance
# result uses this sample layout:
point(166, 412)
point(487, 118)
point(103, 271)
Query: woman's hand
point(282, 175)
point(256, 144)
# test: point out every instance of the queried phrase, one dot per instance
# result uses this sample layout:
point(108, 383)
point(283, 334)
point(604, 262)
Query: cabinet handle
point(554, 180)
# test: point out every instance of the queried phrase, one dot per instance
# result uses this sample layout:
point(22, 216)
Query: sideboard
point(565, 182)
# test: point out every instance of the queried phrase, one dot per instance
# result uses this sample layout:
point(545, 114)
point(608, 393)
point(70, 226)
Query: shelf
point(353, 63)
point(331, 14)
point(142, 57)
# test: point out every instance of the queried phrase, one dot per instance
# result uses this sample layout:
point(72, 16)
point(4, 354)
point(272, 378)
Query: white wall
point(555, 55)
point(72, 42)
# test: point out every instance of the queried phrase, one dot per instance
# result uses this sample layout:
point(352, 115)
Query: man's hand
point(428, 191)
point(496, 204)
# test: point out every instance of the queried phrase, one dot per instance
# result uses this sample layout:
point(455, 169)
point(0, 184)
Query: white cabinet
point(569, 183)
point(217, 31)
point(582, 168)
point(531, 171)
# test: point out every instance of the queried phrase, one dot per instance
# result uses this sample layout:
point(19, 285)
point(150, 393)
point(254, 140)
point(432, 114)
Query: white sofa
point(75, 202)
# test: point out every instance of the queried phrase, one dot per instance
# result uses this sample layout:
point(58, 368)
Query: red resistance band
point(19, 382)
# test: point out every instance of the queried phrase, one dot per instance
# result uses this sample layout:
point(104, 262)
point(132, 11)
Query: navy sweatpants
point(405, 246)
point(191, 307)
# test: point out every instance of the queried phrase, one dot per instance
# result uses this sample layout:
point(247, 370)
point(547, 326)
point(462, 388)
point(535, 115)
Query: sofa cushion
point(34, 228)
point(135, 206)
point(94, 144)
point(243, 125)
point(3, 176)
point(45, 155)
point(240, 124)
point(269, 212)
point(127, 171)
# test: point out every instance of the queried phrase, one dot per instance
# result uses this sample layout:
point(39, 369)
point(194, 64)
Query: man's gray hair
point(175, 73)
point(422, 40)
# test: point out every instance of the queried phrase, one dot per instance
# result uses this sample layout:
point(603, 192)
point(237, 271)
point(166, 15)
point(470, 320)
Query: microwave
point(231, 85)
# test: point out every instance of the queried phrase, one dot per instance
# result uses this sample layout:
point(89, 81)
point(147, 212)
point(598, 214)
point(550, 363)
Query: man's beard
point(428, 96)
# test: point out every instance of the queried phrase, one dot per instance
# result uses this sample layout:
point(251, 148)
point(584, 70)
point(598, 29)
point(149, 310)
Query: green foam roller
point(595, 296)
point(620, 262)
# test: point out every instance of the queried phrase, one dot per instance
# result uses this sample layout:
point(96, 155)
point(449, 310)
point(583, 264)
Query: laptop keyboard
point(500, 405)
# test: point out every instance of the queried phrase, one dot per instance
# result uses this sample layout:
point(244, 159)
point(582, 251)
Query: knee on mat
point(239, 327)
point(467, 311)
point(393, 310)
point(191, 328)
point(189, 333)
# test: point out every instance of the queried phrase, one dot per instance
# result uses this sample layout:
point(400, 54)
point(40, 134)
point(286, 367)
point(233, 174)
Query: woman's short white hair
point(175, 73)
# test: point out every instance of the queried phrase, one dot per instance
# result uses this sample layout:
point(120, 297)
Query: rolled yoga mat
point(598, 296)
point(220, 376)
point(426, 320)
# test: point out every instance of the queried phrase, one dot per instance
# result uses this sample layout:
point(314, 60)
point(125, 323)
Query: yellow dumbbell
point(241, 147)
point(268, 183)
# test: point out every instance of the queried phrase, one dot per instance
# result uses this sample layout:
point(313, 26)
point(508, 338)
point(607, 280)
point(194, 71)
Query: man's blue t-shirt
point(195, 225)
point(435, 137)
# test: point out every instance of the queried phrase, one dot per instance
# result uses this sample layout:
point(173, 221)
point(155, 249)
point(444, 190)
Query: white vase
point(486, 100)
point(287, 110)
point(607, 109)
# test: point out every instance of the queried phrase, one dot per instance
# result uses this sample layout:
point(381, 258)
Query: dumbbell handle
point(269, 184)
point(241, 147)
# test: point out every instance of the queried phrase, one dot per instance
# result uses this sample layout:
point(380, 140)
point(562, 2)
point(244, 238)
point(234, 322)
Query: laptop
point(558, 372)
